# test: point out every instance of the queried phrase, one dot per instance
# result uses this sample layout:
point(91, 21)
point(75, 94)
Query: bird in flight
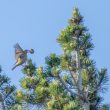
point(21, 55)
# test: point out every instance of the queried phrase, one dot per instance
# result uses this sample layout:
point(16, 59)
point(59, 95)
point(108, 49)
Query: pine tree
point(7, 93)
point(69, 81)
point(87, 79)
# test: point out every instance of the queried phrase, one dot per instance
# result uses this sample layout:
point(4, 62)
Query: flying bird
point(21, 55)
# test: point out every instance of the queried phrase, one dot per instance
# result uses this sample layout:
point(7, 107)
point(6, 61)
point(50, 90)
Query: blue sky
point(37, 23)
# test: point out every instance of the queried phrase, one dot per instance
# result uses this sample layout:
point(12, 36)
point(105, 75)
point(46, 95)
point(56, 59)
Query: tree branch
point(69, 90)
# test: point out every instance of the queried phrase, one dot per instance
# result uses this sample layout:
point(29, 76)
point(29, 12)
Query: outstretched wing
point(18, 51)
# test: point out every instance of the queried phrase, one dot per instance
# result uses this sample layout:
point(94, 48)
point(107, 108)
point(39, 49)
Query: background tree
point(7, 93)
point(69, 81)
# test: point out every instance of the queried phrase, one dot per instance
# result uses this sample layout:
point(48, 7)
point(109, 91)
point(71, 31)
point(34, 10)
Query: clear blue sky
point(37, 23)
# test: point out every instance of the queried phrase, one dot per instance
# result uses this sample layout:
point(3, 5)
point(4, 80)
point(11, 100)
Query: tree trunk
point(2, 102)
point(86, 106)
point(3, 106)
point(78, 66)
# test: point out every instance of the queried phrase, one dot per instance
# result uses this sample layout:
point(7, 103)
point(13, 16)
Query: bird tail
point(14, 67)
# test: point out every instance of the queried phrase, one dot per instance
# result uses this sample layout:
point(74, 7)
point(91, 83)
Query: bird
point(20, 55)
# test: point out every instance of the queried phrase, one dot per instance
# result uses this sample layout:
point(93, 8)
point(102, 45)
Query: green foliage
point(42, 94)
point(29, 69)
point(56, 86)
point(19, 96)
point(29, 82)
point(52, 60)
point(55, 71)
point(40, 72)
point(71, 106)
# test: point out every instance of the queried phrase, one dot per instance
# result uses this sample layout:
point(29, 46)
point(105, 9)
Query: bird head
point(32, 51)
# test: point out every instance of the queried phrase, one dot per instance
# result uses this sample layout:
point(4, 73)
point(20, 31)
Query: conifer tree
point(88, 81)
point(69, 81)
point(7, 93)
